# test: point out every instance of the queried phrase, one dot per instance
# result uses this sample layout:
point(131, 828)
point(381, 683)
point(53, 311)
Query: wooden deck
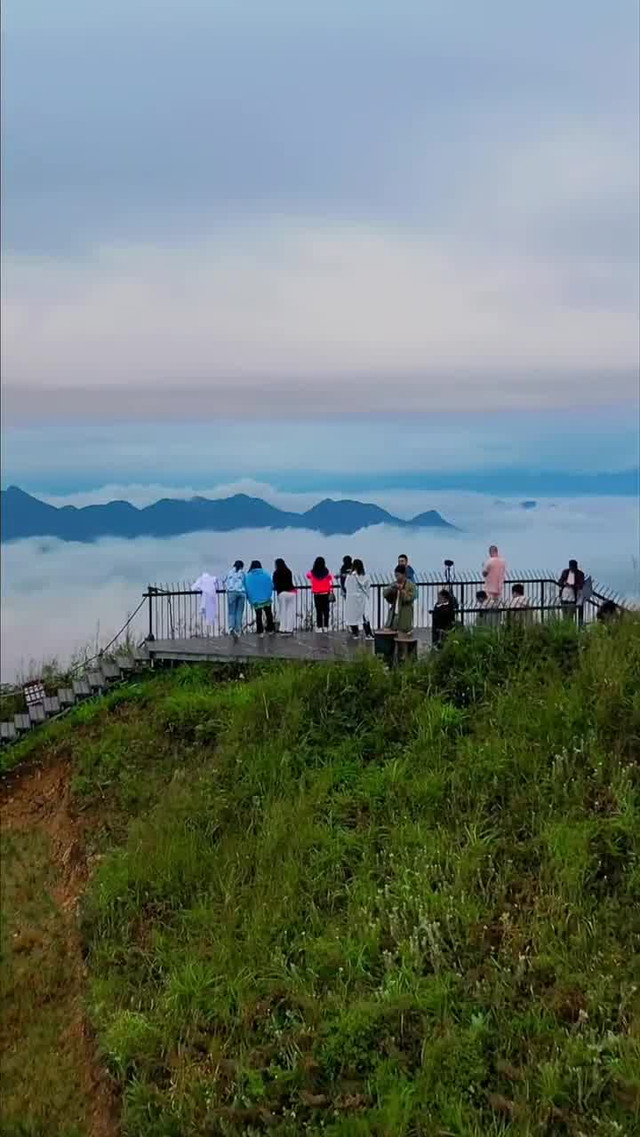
point(302, 645)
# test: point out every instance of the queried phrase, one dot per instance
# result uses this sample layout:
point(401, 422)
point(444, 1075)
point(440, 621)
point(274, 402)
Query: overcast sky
point(276, 207)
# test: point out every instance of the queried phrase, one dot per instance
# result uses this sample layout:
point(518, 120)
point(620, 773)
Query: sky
point(248, 211)
point(385, 249)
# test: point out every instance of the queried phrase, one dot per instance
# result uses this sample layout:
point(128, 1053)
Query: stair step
point(22, 722)
point(66, 696)
point(36, 713)
point(8, 731)
point(81, 688)
point(110, 670)
point(141, 655)
point(52, 705)
point(125, 662)
point(96, 679)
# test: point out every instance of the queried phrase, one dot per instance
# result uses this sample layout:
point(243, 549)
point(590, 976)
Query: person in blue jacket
point(408, 569)
point(259, 588)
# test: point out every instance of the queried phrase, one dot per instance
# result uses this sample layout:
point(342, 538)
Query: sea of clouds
point(61, 598)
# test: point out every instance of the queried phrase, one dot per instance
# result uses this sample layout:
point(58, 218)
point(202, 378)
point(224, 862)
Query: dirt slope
point(43, 955)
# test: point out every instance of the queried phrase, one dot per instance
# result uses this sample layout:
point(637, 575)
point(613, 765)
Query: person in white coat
point(356, 606)
point(207, 586)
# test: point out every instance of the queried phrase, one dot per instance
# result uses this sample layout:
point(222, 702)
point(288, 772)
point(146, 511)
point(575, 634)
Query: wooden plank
point(52, 705)
point(22, 722)
point(66, 696)
point(36, 713)
point(8, 732)
point(309, 646)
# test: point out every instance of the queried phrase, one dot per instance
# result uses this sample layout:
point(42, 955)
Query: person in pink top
point(322, 588)
point(494, 572)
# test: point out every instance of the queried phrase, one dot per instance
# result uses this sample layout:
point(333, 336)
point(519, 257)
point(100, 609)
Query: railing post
point(542, 600)
point(379, 606)
point(150, 635)
point(462, 602)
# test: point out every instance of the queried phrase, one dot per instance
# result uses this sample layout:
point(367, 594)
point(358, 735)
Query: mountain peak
point(15, 491)
point(25, 516)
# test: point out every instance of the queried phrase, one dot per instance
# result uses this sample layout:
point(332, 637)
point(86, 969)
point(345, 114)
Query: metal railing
point(174, 610)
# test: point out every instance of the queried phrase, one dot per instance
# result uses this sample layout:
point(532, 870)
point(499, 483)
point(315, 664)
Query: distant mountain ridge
point(27, 516)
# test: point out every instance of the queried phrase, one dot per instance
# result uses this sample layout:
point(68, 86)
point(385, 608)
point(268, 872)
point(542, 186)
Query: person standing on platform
point(358, 592)
point(322, 588)
point(443, 616)
point(608, 612)
point(494, 572)
point(259, 587)
point(286, 597)
point(403, 560)
point(571, 585)
point(207, 586)
point(400, 597)
point(345, 568)
point(489, 614)
point(519, 611)
point(236, 596)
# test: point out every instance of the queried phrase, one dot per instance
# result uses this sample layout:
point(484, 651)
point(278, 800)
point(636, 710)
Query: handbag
point(332, 597)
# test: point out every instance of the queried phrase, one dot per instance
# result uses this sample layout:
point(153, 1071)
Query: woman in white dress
point(356, 606)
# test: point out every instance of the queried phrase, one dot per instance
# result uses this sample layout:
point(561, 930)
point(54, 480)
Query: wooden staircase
point(96, 679)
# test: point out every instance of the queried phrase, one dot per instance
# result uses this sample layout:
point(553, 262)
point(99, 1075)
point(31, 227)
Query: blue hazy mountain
point(26, 516)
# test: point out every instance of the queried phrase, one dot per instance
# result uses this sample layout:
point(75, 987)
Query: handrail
point(174, 609)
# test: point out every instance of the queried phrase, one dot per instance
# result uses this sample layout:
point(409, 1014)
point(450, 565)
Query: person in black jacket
point(608, 612)
point(285, 591)
point(571, 584)
point(347, 565)
point(443, 616)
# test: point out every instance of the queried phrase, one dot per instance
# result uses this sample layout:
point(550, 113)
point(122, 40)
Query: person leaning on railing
point(234, 583)
point(519, 611)
point(489, 614)
point(286, 593)
point(259, 588)
point(321, 581)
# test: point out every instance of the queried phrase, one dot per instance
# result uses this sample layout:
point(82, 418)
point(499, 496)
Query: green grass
point(38, 998)
point(342, 901)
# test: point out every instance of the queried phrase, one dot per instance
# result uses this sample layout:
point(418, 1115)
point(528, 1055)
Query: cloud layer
point(61, 598)
point(333, 314)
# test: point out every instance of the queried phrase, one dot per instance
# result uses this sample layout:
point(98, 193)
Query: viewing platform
point(304, 646)
point(177, 630)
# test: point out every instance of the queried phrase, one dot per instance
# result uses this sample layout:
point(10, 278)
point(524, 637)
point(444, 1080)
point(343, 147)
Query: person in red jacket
point(322, 588)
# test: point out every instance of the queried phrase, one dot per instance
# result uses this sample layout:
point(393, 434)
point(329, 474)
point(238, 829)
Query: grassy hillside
point(335, 900)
